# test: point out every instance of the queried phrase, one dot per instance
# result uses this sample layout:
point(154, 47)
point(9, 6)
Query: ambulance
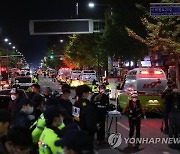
point(149, 83)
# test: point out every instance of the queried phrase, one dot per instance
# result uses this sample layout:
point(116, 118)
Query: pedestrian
point(84, 111)
point(174, 114)
point(51, 133)
point(135, 112)
point(5, 121)
point(14, 104)
point(24, 116)
point(47, 93)
point(166, 95)
point(18, 141)
point(35, 89)
point(38, 105)
point(101, 102)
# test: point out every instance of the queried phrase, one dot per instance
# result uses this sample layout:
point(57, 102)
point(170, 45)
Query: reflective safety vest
point(108, 87)
point(40, 125)
point(95, 89)
point(134, 112)
point(47, 142)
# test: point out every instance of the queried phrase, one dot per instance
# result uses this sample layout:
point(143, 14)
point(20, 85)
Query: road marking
point(123, 126)
point(165, 152)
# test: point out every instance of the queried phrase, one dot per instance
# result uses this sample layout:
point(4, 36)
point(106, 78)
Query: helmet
point(134, 94)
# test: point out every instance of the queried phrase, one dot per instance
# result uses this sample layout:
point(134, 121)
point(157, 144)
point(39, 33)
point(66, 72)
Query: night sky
point(14, 22)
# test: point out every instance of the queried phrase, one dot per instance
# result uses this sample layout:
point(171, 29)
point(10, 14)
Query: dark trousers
point(166, 119)
point(174, 124)
point(134, 123)
point(101, 131)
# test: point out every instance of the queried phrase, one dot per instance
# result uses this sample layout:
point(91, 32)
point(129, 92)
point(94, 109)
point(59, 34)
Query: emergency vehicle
point(64, 74)
point(4, 78)
point(75, 76)
point(149, 83)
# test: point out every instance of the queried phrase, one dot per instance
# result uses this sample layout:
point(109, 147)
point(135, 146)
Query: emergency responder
point(84, 111)
point(101, 101)
point(174, 114)
point(39, 125)
point(135, 112)
point(51, 133)
point(167, 103)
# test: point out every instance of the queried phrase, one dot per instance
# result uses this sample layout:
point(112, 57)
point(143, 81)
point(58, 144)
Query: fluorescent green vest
point(40, 125)
point(47, 142)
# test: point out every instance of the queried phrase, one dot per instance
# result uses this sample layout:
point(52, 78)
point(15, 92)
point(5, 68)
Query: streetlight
point(13, 47)
point(91, 5)
point(61, 41)
point(10, 43)
point(6, 40)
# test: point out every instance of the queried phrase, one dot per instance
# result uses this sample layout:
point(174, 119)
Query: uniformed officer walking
point(135, 112)
point(101, 102)
point(84, 111)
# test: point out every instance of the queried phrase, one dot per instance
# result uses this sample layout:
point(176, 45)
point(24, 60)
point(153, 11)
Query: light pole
point(77, 9)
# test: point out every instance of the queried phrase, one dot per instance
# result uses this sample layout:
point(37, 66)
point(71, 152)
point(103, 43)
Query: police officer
point(39, 125)
point(51, 133)
point(135, 112)
point(166, 95)
point(101, 101)
point(84, 111)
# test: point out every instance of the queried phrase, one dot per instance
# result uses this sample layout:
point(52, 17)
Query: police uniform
point(47, 142)
point(85, 116)
point(101, 102)
point(39, 127)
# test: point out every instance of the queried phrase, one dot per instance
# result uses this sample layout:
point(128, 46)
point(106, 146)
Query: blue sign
point(165, 10)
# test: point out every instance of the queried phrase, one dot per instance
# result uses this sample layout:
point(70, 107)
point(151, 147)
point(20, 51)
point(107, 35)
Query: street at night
point(90, 77)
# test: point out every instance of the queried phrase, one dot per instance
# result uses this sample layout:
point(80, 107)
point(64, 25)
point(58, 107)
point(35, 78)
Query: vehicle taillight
point(157, 72)
point(144, 72)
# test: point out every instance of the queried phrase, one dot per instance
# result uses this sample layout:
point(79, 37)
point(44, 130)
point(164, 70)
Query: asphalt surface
point(150, 128)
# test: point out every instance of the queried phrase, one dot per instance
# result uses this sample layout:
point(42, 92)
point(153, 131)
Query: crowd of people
point(51, 123)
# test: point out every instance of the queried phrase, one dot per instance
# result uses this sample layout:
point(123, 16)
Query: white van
point(88, 75)
point(149, 83)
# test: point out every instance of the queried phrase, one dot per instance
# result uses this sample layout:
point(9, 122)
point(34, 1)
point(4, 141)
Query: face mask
point(31, 109)
point(175, 90)
point(89, 97)
point(134, 99)
point(13, 97)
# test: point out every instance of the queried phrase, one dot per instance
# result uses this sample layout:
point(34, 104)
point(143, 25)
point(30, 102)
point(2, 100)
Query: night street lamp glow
point(61, 41)
point(6, 40)
point(13, 47)
point(91, 5)
point(10, 43)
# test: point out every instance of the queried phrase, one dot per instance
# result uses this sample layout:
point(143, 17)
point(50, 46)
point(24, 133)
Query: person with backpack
point(174, 115)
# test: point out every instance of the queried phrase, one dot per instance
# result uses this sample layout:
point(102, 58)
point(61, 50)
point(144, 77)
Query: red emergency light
point(3, 69)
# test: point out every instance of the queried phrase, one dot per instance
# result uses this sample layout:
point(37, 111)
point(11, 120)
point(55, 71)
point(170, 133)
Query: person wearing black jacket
point(23, 119)
point(166, 95)
point(101, 101)
point(65, 103)
point(84, 111)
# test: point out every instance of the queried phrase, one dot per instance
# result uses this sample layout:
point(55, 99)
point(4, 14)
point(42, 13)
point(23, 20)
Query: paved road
point(150, 128)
